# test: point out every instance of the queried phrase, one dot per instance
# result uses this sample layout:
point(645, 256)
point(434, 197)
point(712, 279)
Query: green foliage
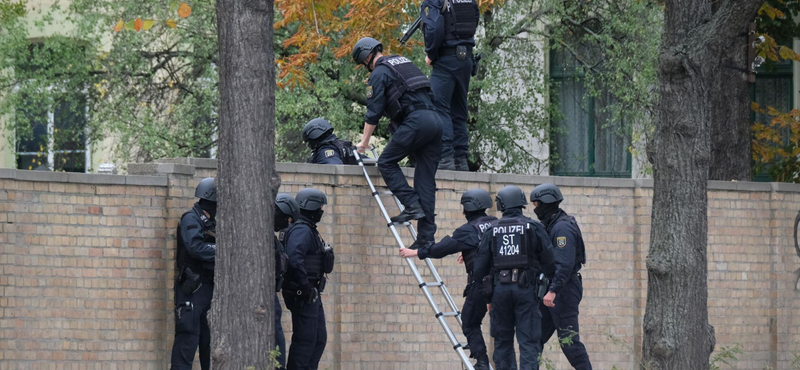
point(10, 10)
point(725, 355)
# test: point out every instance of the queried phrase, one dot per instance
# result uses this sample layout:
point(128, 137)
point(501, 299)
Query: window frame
point(558, 75)
point(51, 152)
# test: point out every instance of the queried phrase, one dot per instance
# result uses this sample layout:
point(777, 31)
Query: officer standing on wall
point(194, 288)
point(400, 91)
point(566, 289)
point(310, 258)
point(513, 253)
point(449, 27)
point(465, 240)
point(326, 148)
point(286, 211)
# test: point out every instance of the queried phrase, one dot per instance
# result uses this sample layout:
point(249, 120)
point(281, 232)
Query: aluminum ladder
point(440, 316)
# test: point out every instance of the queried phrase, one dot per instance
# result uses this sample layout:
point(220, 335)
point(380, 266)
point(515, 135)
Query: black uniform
point(514, 251)
point(194, 289)
point(306, 271)
point(417, 132)
point(449, 41)
point(333, 151)
point(570, 254)
point(281, 260)
point(465, 240)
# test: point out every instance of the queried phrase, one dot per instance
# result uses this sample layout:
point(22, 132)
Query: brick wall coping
point(82, 178)
point(141, 174)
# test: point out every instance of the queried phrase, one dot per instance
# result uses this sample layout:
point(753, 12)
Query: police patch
point(369, 91)
point(561, 241)
point(329, 153)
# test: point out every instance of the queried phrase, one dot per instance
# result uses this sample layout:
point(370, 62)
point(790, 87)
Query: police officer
point(566, 289)
point(401, 92)
point(286, 211)
point(513, 253)
point(449, 28)
point(309, 260)
point(326, 148)
point(465, 240)
point(194, 287)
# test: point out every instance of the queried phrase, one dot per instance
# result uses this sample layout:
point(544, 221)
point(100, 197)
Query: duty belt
point(415, 107)
point(453, 51)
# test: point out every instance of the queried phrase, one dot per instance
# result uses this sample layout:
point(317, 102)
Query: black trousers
point(564, 319)
point(450, 84)
point(191, 328)
point(280, 338)
point(515, 308)
point(471, 318)
point(419, 137)
point(309, 336)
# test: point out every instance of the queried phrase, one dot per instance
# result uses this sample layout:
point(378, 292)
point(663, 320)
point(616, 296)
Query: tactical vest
point(511, 247)
point(408, 78)
point(343, 147)
point(281, 263)
point(481, 224)
point(314, 263)
point(183, 259)
point(580, 248)
point(461, 20)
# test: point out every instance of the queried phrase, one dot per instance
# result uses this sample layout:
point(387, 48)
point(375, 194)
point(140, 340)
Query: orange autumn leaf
point(171, 23)
point(138, 24)
point(119, 26)
point(184, 10)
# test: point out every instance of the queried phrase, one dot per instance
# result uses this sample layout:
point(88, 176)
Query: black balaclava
point(281, 220)
point(314, 216)
point(544, 210)
point(209, 206)
point(470, 214)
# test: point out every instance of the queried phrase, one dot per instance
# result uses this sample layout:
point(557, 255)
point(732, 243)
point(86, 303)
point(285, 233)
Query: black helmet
point(547, 194)
point(510, 197)
point(287, 205)
point(364, 47)
point(206, 189)
point(476, 199)
point(311, 199)
point(317, 128)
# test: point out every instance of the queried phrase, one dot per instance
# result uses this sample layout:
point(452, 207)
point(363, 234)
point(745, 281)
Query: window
point(585, 143)
point(774, 87)
point(57, 140)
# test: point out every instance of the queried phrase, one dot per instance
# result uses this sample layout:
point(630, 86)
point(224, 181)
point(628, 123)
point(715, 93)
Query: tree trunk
point(731, 151)
point(242, 311)
point(677, 335)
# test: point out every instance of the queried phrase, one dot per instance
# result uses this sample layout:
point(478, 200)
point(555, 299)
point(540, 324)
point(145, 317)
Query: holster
point(543, 285)
point(328, 259)
point(476, 60)
point(189, 281)
point(322, 283)
point(487, 287)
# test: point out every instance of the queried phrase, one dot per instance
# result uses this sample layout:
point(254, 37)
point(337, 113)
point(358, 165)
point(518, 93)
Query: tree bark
point(242, 311)
point(677, 335)
point(731, 145)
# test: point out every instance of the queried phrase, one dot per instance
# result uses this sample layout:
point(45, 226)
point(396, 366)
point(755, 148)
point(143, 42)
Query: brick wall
point(87, 268)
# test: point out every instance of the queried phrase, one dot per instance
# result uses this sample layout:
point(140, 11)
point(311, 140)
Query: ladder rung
point(383, 193)
point(465, 346)
point(434, 284)
point(446, 314)
point(398, 223)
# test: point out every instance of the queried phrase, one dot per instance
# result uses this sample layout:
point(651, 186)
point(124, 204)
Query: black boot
point(482, 364)
point(460, 163)
point(413, 212)
point(420, 244)
point(446, 163)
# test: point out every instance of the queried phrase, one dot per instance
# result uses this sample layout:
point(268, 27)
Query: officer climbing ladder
point(425, 286)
